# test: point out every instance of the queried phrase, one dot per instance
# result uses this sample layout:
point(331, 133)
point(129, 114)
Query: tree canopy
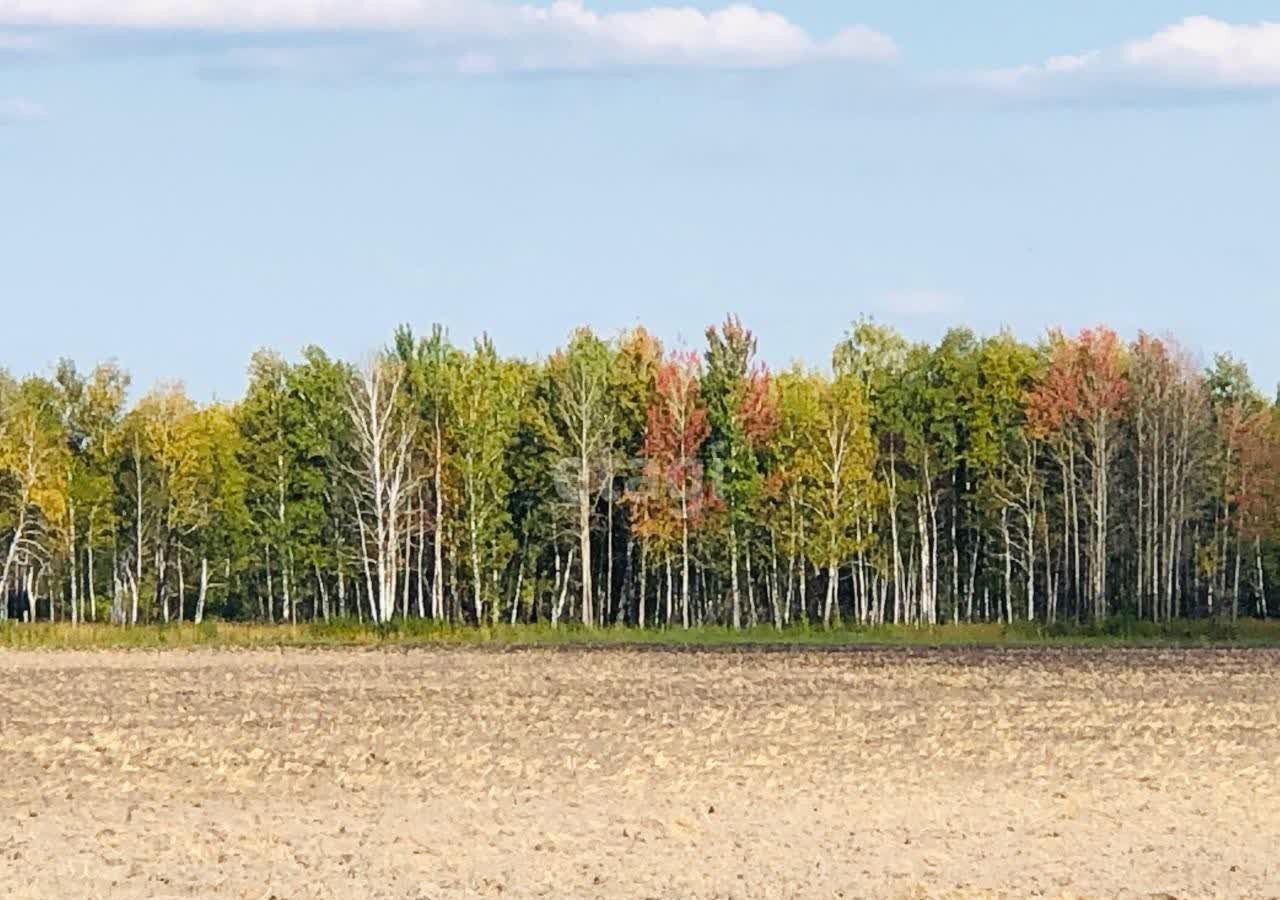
point(619, 481)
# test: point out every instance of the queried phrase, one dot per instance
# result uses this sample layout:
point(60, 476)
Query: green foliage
point(1084, 478)
point(487, 396)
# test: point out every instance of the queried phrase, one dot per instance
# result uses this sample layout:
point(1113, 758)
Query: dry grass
point(419, 633)
point(451, 773)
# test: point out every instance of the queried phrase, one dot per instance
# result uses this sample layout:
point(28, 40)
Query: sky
point(185, 181)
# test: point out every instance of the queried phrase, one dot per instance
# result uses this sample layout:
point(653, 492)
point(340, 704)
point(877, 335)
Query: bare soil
point(611, 774)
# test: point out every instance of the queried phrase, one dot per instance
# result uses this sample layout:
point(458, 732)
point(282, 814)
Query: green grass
point(1119, 632)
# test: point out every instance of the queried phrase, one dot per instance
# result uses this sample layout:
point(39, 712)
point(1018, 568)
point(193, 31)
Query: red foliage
point(754, 406)
point(759, 410)
point(677, 429)
point(1085, 382)
point(1255, 484)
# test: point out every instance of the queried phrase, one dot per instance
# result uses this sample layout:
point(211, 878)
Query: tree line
point(618, 482)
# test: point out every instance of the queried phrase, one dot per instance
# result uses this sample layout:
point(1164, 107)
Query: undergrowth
point(1115, 632)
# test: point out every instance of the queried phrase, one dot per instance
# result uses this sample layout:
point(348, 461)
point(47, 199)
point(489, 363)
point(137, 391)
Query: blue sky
point(181, 183)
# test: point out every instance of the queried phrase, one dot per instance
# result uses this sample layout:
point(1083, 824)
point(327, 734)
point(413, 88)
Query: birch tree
point(382, 475)
point(1006, 461)
point(1081, 402)
point(211, 514)
point(794, 470)
point(162, 417)
point(431, 366)
point(635, 378)
point(581, 420)
point(878, 357)
point(675, 498)
point(487, 396)
point(320, 500)
point(33, 461)
point(841, 461)
point(270, 419)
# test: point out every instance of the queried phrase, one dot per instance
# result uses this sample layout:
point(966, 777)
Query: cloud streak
point(1199, 53)
point(480, 36)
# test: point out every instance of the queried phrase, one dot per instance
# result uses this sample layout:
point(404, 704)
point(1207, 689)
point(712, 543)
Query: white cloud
point(16, 110)
point(1205, 49)
point(918, 303)
point(1197, 53)
point(480, 36)
point(861, 42)
point(242, 15)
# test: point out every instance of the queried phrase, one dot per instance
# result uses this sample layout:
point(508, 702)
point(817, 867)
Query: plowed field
point(461, 773)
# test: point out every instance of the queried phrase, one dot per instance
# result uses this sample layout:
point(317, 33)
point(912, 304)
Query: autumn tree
point(90, 408)
point(674, 498)
point(635, 378)
point(792, 475)
point(163, 419)
point(1240, 421)
point(1004, 459)
point(211, 517)
point(843, 457)
point(878, 358)
point(1169, 417)
point(742, 418)
point(962, 479)
point(33, 485)
point(1079, 406)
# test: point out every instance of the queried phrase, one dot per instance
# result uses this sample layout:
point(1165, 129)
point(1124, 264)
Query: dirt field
point(448, 774)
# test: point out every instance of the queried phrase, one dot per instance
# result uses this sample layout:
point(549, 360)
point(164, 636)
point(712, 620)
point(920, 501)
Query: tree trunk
point(893, 530)
point(670, 610)
point(515, 600)
point(342, 593)
point(927, 581)
point(271, 599)
point(833, 587)
point(11, 555)
point(137, 526)
point(644, 571)
point(133, 590)
point(286, 570)
point(584, 535)
point(422, 549)
point(71, 562)
point(88, 560)
point(477, 601)
point(558, 609)
point(684, 559)
point(608, 553)
point(437, 579)
point(1262, 579)
point(407, 569)
point(733, 574)
point(1008, 565)
point(204, 590)
point(182, 587)
point(323, 590)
